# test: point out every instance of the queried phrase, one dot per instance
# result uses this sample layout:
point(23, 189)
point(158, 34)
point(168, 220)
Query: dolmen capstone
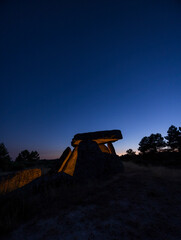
point(93, 156)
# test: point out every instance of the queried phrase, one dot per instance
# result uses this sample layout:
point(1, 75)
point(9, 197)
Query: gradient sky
point(68, 67)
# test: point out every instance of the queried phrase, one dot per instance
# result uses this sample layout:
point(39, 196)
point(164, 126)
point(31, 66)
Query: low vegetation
point(155, 151)
point(142, 203)
point(167, 159)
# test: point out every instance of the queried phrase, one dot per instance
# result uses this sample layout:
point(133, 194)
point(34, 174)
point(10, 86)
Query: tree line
point(156, 143)
point(148, 144)
point(23, 156)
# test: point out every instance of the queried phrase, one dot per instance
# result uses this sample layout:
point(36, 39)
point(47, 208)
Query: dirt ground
point(142, 203)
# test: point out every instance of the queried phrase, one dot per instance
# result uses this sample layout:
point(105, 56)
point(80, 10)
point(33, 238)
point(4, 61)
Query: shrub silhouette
point(130, 152)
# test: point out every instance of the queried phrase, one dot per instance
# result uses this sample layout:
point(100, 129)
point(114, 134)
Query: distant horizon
point(118, 145)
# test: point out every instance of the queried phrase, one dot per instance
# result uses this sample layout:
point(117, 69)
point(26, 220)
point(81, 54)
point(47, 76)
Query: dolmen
point(93, 156)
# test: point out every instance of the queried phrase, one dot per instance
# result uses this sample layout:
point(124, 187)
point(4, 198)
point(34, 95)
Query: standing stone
point(69, 166)
point(92, 163)
point(104, 148)
point(89, 160)
point(63, 158)
point(111, 148)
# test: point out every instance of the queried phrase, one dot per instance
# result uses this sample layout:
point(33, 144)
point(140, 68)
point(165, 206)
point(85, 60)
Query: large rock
point(93, 163)
point(19, 180)
point(68, 166)
point(104, 148)
point(100, 137)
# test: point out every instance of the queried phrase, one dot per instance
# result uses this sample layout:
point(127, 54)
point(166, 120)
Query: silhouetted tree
point(173, 137)
point(156, 142)
point(34, 155)
point(27, 156)
point(152, 143)
point(144, 145)
point(4, 156)
point(130, 152)
point(23, 156)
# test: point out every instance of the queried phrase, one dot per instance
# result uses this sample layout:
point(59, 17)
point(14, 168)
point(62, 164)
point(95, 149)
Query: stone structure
point(91, 157)
point(101, 137)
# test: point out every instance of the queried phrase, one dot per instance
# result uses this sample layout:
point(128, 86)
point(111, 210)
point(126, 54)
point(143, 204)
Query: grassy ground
point(143, 203)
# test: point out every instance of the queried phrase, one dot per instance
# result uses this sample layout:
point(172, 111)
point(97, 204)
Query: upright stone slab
point(89, 160)
point(92, 163)
point(69, 165)
point(104, 148)
point(57, 168)
point(111, 148)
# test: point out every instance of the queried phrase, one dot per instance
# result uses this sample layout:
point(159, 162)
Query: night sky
point(68, 67)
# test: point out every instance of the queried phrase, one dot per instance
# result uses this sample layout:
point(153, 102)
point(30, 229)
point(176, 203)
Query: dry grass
point(143, 203)
point(18, 180)
point(38, 201)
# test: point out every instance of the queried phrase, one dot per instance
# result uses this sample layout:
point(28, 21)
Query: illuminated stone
point(69, 165)
point(91, 156)
point(104, 148)
point(61, 161)
point(111, 148)
point(19, 179)
point(100, 137)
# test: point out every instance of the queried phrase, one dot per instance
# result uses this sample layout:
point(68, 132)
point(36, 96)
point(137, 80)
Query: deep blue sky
point(76, 66)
